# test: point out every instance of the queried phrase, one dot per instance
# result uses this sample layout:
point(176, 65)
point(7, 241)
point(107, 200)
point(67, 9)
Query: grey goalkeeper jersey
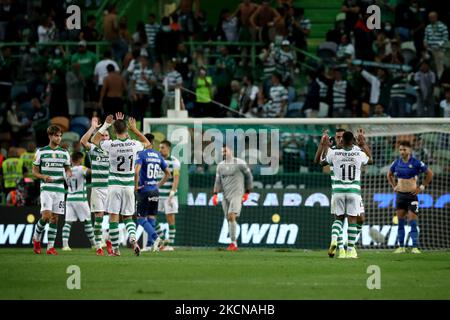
point(233, 177)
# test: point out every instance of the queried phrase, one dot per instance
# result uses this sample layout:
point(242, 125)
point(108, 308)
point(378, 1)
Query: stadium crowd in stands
point(138, 71)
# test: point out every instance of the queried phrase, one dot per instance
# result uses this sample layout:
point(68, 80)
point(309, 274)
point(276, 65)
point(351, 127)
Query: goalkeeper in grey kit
point(235, 180)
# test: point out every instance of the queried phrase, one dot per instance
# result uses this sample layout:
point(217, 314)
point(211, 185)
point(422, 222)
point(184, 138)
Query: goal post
point(289, 206)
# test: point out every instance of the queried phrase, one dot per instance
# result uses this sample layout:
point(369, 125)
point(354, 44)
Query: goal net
point(290, 203)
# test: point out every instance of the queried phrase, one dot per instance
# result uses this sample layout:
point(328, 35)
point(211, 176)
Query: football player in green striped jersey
point(346, 186)
point(100, 171)
point(51, 165)
point(77, 206)
point(168, 203)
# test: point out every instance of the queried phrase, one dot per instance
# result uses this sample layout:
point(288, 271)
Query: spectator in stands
point(299, 29)
point(7, 12)
point(12, 170)
point(125, 37)
point(199, 60)
point(166, 42)
point(291, 146)
point(364, 38)
point(278, 98)
point(380, 86)
point(41, 119)
point(263, 20)
point(75, 91)
point(243, 12)
point(235, 94)
point(444, 81)
point(351, 8)
point(151, 30)
point(113, 89)
point(445, 104)
point(436, 35)
point(141, 82)
point(187, 14)
point(46, 29)
point(378, 112)
point(6, 73)
point(100, 70)
point(17, 122)
point(425, 78)
point(227, 27)
point(203, 95)
point(248, 97)
point(111, 33)
point(89, 32)
point(285, 61)
point(87, 61)
point(225, 69)
point(140, 35)
point(172, 81)
point(203, 31)
point(267, 58)
point(57, 90)
point(397, 107)
point(28, 157)
point(312, 97)
point(184, 65)
point(345, 50)
point(341, 95)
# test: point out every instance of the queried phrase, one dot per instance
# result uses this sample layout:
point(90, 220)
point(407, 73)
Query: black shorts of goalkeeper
point(407, 201)
point(147, 203)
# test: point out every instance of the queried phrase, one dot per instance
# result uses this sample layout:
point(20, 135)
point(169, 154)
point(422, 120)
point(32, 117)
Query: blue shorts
point(147, 203)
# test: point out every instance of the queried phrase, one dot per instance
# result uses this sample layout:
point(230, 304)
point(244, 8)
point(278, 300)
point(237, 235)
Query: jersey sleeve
point(364, 158)
point(163, 163)
point(84, 170)
point(139, 158)
point(106, 145)
point(176, 167)
point(393, 166)
point(67, 162)
point(329, 156)
point(138, 146)
point(37, 158)
point(421, 166)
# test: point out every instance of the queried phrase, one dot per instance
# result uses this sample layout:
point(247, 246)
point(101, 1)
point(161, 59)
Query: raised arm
point(322, 147)
point(141, 137)
point(98, 136)
point(361, 140)
point(85, 138)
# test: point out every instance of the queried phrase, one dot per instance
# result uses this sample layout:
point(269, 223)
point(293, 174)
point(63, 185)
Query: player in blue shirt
point(149, 163)
point(406, 169)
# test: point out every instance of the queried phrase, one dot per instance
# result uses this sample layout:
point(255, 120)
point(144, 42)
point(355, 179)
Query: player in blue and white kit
point(406, 169)
point(149, 164)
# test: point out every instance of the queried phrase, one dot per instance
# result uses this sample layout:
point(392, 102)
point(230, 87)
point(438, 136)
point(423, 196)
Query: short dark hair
point(348, 138)
point(120, 126)
point(167, 143)
point(340, 130)
point(107, 54)
point(77, 156)
point(150, 137)
point(52, 130)
point(277, 75)
point(405, 143)
point(152, 15)
point(90, 18)
point(110, 68)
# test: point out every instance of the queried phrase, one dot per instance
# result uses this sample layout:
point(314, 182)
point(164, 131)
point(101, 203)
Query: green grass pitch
point(215, 274)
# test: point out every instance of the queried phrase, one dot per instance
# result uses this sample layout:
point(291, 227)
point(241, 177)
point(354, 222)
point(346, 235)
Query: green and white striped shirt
point(346, 169)
point(436, 35)
point(174, 167)
point(52, 162)
point(100, 167)
point(77, 185)
point(122, 157)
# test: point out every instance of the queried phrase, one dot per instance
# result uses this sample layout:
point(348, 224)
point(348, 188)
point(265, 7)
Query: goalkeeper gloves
point(215, 199)
point(245, 196)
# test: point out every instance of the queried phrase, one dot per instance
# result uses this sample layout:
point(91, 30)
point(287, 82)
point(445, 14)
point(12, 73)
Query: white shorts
point(166, 207)
point(77, 210)
point(52, 201)
point(347, 203)
point(120, 200)
point(233, 205)
point(98, 199)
